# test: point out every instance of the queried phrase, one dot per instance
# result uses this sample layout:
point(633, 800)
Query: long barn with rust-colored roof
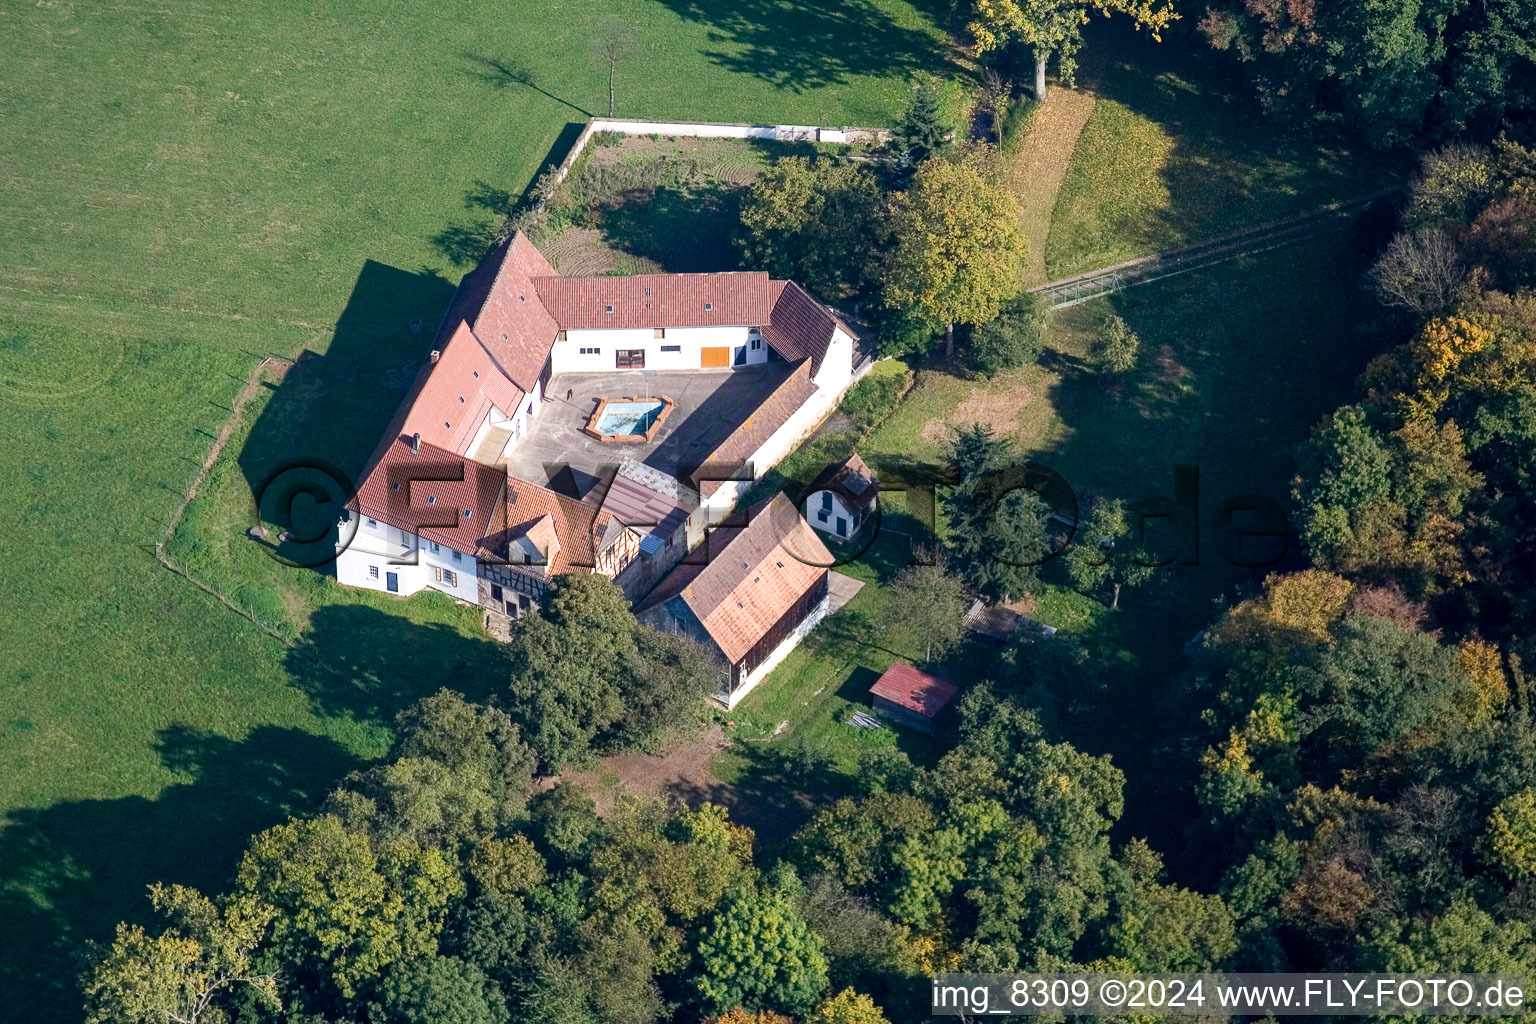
point(755, 586)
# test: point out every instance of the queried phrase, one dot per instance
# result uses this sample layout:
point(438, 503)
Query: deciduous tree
point(813, 221)
point(1103, 553)
point(1116, 346)
point(957, 247)
point(1054, 28)
point(930, 602)
point(180, 975)
point(757, 953)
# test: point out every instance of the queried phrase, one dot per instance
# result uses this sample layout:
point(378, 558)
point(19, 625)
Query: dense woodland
point(1359, 737)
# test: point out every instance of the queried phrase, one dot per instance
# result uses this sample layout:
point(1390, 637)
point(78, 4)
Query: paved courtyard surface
point(709, 405)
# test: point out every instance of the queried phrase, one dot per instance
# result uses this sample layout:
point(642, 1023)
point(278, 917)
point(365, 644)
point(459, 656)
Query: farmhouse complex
point(600, 424)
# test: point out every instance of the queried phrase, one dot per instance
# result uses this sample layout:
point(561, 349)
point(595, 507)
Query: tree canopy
point(956, 246)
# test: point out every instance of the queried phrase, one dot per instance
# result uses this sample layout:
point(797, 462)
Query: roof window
point(395, 486)
point(461, 399)
point(608, 309)
point(468, 512)
point(709, 305)
point(431, 499)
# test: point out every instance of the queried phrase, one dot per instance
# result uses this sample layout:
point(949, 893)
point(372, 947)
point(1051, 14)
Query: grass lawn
point(656, 204)
point(1236, 365)
point(1176, 151)
point(190, 188)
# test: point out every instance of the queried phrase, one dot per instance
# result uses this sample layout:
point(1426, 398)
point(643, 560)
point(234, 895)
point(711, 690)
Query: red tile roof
point(799, 327)
point(458, 390)
point(757, 566)
point(852, 479)
point(512, 323)
point(916, 691)
point(497, 299)
point(758, 426)
point(740, 298)
point(429, 492)
point(532, 510)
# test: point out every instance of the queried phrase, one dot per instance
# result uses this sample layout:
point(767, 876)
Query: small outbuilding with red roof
point(911, 697)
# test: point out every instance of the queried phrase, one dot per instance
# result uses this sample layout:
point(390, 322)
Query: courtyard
point(707, 406)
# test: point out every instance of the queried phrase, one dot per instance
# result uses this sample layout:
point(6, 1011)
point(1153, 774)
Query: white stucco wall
point(780, 442)
point(388, 549)
point(813, 509)
point(836, 372)
point(567, 356)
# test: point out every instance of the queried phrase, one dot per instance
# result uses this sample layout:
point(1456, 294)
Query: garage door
point(715, 356)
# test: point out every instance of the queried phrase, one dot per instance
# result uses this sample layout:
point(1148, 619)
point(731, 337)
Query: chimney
point(435, 355)
point(415, 444)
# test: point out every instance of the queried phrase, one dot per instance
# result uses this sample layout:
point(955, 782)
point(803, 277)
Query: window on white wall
point(373, 572)
point(373, 524)
point(450, 577)
point(671, 348)
point(435, 548)
point(457, 556)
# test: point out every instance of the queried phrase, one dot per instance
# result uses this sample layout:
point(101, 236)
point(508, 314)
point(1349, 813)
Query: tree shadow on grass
point(506, 73)
point(685, 230)
point(330, 410)
point(808, 44)
point(1228, 166)
point(365, 664)
point(777, 793)
point(69, 872)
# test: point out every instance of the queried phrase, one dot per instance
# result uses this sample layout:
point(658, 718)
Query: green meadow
point(189, 188)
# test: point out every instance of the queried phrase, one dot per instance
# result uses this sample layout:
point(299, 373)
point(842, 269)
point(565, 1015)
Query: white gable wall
point(379, 549)
point(836, 371)
point(824, 508)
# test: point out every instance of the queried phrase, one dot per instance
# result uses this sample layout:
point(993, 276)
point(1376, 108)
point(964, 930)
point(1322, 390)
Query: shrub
point(1420, 271)
point(868, 401)
point(1115, 349)
point(1452, 186)
point(1014, 337)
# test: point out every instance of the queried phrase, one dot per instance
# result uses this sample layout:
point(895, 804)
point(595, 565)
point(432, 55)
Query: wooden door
point(629, 359)
point(715, 356)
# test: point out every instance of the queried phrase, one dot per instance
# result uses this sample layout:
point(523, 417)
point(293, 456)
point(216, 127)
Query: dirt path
point(1040, 163)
